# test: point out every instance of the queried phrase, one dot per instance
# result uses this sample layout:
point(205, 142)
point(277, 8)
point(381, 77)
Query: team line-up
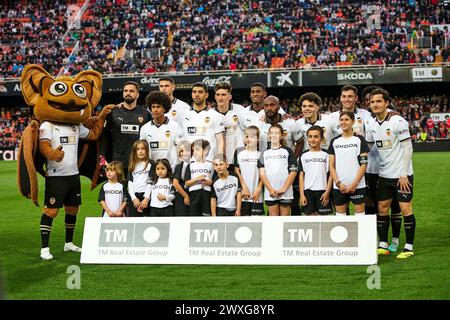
point(174, 159)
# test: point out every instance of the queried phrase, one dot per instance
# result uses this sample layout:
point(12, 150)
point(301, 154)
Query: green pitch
point(25, 276)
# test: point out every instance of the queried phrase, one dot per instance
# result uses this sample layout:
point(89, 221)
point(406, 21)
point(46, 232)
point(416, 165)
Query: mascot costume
point(50, 145)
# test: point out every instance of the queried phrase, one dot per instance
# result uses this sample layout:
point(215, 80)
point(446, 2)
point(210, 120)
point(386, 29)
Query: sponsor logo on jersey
point(226, 187)
point(162, 186)
point(68, 140)
point(345, 146)
point(140, 172)
point(129, 128)
point(399, 133)
point(276, 156)
point(201, 171)
point(248, 160)
point(113, 191)
point(315, 160)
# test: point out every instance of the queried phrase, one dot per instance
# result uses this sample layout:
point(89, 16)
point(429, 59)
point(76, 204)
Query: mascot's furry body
point(61, 106)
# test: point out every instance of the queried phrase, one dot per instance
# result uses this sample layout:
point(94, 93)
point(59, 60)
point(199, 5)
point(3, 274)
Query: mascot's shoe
point(69, 246)
point(45, 254)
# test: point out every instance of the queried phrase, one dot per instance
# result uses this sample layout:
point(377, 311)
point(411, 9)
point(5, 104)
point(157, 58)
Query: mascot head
point(64, 99)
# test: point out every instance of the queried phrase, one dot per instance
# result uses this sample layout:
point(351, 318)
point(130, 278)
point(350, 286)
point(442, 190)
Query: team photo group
point(169, 158)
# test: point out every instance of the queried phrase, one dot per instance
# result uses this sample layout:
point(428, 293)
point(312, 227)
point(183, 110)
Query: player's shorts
point(313, 203)
point(358, 197)
point(179, 208)
point(372, 185)
point(389, 189)
point(62, 191)
point(281, 202)
point(222, 212)
point(161, 212)
point(252, 209)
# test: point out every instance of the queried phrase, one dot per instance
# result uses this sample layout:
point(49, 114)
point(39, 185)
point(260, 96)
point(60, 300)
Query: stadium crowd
point(217, 35)
point(416, 109)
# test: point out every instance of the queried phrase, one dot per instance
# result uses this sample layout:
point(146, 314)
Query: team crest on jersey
point(388, 132)
point(174, 113)
point(74, 129)
point(285, 133)
point(235, 118)
point(140, 119)
point(359, 120)
point(207, 119)
point(167, 134)
point(52, 200)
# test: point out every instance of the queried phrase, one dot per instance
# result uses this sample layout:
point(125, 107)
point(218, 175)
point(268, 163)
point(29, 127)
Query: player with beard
point(122, 127)
point(255, 111)
point(178, 107)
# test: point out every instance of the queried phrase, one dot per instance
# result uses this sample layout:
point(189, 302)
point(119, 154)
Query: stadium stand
point(182, 35)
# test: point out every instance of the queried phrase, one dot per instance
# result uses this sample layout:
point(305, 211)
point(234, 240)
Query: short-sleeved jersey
point(315, 165)
point(387, 136)
point(124, 126)
point(177, 110)
point(114, 195)
point(163, 140)
point(139, 179)
point(225, 191)
point(292, 133)
point(325, 122)
point(373, 160)
point(346, 151)
point(66, 136)
point(278, 164)
point(163, 186)
point(362, 120)
point(196, 169)
point(204, 124)
point(250, 117)
point(234, 137)
point(247, 162)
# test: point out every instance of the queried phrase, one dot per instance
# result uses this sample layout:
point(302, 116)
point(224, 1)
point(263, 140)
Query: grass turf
point(424, 276)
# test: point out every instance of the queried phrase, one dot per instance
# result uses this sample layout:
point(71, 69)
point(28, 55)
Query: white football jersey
point(204, 124)
point(346, 151)
point(177, 110)
point(162, 140)
point(114, 195)
point(250, 117)
point(162, 186)
point(325, 122)
point(247, 162)
point(292, 134)
point(315, 165)
point(66, 136)
point(278, 164)
point(234, 137)
point(225, 191)
point(387, 136)
point(196, 169)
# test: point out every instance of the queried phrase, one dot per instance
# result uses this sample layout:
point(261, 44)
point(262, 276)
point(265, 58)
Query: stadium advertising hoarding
point(427, 74)
point(294, 240)
point(8, 153)
point(284, 79)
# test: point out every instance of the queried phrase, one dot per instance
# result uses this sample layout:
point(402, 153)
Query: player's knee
point(72, 210)
point(51, 212)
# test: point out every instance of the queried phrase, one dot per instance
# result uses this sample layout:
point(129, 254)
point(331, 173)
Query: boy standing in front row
point(314, 179)
point(226, 197)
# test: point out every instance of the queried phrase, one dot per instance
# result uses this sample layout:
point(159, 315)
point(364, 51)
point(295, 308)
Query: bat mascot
point(51, 144)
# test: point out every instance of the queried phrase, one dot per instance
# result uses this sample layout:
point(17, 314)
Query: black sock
point(348, 210)
point(383, 228)
point(70, 226)
point(396, 222)
point(410, 228)
point(370, 210)
point(46, 228)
